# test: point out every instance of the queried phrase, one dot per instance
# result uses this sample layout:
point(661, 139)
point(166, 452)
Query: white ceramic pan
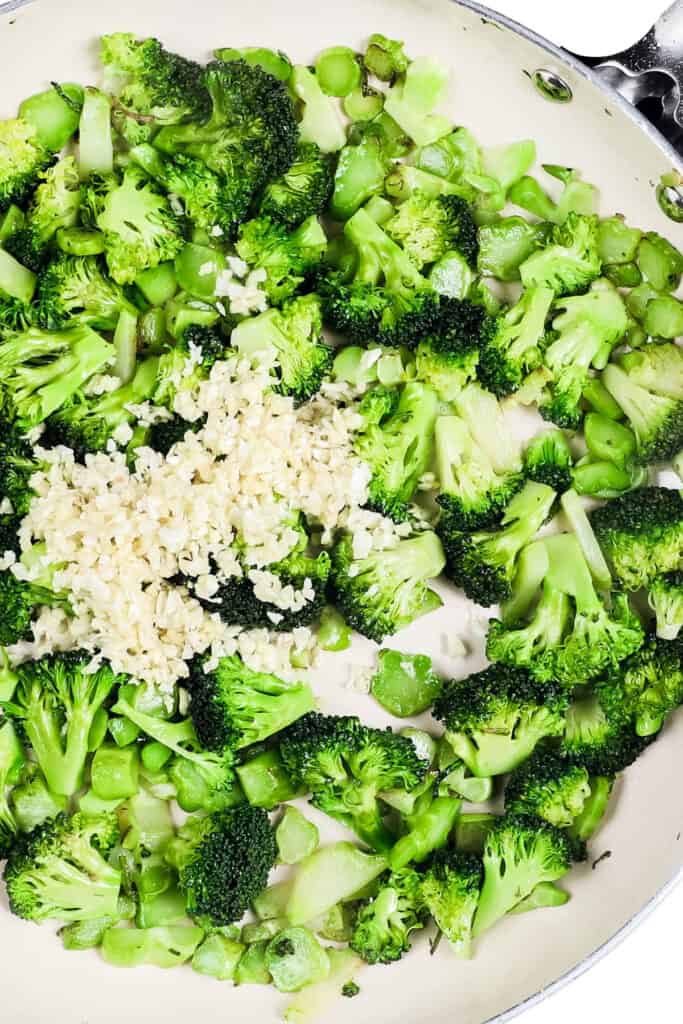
point(495, 65)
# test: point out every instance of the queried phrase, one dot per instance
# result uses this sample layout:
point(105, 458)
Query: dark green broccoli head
point(22, 160)
point(495, 718)
point(641, 534)
point(483, 563)
point(450, 887)
point(233, 706)
point(303, 190)
point(250, 136)
point(55, 204)
point(550, 787)
point(570, 260)
point(386, 590)
point(287, 258)
point(210, 342)
point(17, 466)
point(59, 870)
point(600, 737)
point(223, 862)
point(548, 460)
point(666, 600)
point(163, 434)
point(397, 448)
point(647, 687)
point(184, 365)
point(516, 344)
point(345, 765)
point(653, 406)
point(19, 602)
point(427, 227)
point(76, 288)
point(9, 534)
point(384, 925)
point(55, 702)
point(521, 852)
point(447, 359)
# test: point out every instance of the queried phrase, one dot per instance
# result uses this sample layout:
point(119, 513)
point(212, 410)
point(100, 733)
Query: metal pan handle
point(649, 74)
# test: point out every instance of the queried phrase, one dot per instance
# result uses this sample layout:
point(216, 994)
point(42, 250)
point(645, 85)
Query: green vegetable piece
point(95, 145)
point(320, 121)
point(546, 894)
point(529, 194)
point(459, 782)
point(16, 280)
point(155, 756)
point(638, 300)
point(333, 633)
point(33, 803)
point(385, 58)
point(588, 822)
point(126, 346)
point(272, 902)
point(11, 222)
point(197, 268)
point(452, 276)
point(275, 62)
point(608, 440)
point(574, 510)
point(114, 772)
point(360, 174)
point(623, 275)
point(265, 781)
point(330, 875)
point(312, 1004)
point(98, 729)
point(471, 831)
point(92, 804)
point(660, 261)
point(80, 241)
point(412, 101)
point(149, 821)
point(296, 836)
point(263, 931)
point(424, 744)
point(123, 731)
point(251, 968)
point(338, 923)
point(363, 104)
point(617, 242)
point(405, 684)
point(597, 395)
point(217, 957)
point(601, 479)
point(158, 284)
point(663, 317)
point(54, 114)
point(152, 328)
point(429, 830)
point(338, 71)
point(157, 947)
point(295, 958)
point(161, 909)
point(505, 244)
point(85, 934)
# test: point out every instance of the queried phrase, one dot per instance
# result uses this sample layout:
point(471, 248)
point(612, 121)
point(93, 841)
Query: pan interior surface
point(493, 95)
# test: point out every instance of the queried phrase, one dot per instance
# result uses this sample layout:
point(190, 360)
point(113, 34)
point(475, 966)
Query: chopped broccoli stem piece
point(412, 101)
point(320, 122)
point(404, 684)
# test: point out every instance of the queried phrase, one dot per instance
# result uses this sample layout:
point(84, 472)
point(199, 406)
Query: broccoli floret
point(550, 787)
point(397, 448)
point(599, 736)
point(17, 466)
point(473, 495)
point(163, 434)
point(448, 358)
point(251, 135)
point(520, 853)
point(303, 190)
point(223, 862)
point(12, 761)
point(495, 718)
point(41, 370)
point(76, 288)
point(155, 87)
point(214, 770)
point(345, 765)
point(515, 348)
point(427, 227)
point(55, 205)
point(18, 603)
point(22, 160)
point(55, 703)
point(9, 534)
point(531, 643)
point(641, 534)
point(387, 301)
point(647, 687)
point(140, 228)
point(384, 925)
point(233, 706)
point(570, 261)
point(294, 335)
point(587, 329)
point(548, 460)
point(450, 888)
point(179, 367)
point(483, 563)
point(287, 258)
point(666, 600)
point(209, 201)
point(380, 594)
point(87, 424)
point(59, 870)
point(649, 389)
point(15, 316)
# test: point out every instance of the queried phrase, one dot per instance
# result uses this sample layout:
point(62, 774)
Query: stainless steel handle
point(649, 74)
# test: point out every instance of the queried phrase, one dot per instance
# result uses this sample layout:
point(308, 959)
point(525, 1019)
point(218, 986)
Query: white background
point(640, 979)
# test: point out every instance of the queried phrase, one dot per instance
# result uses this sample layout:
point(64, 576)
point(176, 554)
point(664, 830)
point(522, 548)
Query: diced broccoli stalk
point(661, 262)
point(548, 460)
point(405, 684)
point(587, 330)
point(397, 448)
point(41, 370)
point(303, 190)
point(385, 58)
point(427, 228)
point(517, 344)
point(428, 830)
point(569, 262)
point(55, 204)
point(32, 801)
point(487, 423)
point(384, 925)
point(320, 122)
point(293, 335)
point(413, 100)
point(380, 594)
point(54, 114)
point(450, 888)
point(360, 174)
point(483, 563)
point(666, 601)
point(95, 142)
point(328, 876)
point(275, 62)
point(505, 244)
point(22, 159)
point(577, 196)
point(295, 958)
point(495, 718)
point(286, 258)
